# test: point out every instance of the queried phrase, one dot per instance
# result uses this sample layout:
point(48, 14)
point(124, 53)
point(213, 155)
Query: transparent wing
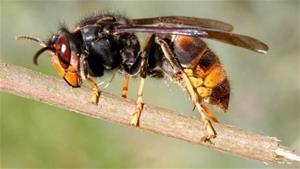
point(243, 41)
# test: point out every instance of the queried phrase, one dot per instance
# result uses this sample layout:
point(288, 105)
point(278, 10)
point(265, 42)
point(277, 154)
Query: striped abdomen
point(204, 70)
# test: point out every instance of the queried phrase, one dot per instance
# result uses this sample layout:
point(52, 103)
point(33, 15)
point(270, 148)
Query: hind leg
point(211, 133)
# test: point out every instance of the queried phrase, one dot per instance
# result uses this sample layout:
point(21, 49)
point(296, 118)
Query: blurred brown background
point(265, 88)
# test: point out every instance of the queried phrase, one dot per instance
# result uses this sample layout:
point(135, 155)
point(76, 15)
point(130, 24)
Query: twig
point(47, 89)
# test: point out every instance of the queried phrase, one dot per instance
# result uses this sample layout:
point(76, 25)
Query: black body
point(94, 38)
point(109, 42)
point(174, 48)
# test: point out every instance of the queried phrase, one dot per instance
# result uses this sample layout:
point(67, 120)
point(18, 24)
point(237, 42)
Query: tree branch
point(50, 90)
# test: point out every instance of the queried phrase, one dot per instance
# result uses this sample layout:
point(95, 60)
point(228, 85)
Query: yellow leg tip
point(94, 100)
point(135, 120)
point(136, 115)
point(124, 95)
point(210, 130)
point(95, 97)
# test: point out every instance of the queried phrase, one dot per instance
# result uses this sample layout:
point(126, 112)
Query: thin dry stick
point(33, 85)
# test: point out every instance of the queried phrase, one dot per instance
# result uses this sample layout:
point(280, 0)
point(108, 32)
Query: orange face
point(66, 62)
point(70, 74)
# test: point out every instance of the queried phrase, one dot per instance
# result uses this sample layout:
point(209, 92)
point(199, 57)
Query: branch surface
point(33, 85)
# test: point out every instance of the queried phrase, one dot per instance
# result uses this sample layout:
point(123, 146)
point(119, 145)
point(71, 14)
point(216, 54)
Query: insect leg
point(210, 113)
point(143, 73)
point(85, 76)
point(174, 63)
point(139, 104)
point(125, 87)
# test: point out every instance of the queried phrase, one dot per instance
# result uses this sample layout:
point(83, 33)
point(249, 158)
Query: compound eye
point(63, 51)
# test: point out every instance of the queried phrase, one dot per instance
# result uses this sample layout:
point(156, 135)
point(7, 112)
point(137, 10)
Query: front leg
point(96, 90)
point(85, 76)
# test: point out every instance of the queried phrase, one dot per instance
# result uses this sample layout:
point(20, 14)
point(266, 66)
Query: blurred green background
point(265, 89)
